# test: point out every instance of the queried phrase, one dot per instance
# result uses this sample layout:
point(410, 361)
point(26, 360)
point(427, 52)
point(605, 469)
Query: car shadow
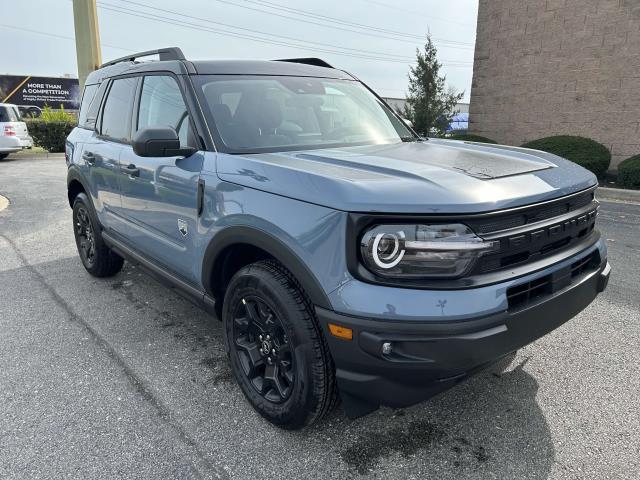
point(487, 427)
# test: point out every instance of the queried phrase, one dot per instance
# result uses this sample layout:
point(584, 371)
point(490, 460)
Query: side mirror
point(159, 142)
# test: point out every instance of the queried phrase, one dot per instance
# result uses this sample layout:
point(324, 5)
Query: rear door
point(101, 152)
point(159, 194)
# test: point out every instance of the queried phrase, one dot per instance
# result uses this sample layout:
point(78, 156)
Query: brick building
point(548, 67)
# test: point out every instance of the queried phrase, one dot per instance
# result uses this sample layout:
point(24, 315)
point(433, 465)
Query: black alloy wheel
point(263, 349)
point(85, 237)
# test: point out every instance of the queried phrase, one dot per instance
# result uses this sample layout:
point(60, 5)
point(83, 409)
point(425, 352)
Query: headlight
point(422, 251)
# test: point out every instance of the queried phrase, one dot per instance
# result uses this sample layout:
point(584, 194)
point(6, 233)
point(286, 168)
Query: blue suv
point(347, 257)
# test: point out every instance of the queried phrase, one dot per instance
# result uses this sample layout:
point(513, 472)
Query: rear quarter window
point(87, 99)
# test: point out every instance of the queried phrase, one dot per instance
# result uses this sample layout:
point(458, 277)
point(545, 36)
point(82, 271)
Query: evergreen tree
point(430, 105)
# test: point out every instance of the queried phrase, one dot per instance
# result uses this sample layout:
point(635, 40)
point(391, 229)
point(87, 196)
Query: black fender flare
point(74, 175)
point(232, 235)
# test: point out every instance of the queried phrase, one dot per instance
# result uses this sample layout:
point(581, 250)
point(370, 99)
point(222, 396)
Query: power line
point(449, 43)
point(64, 37)
point(416, 12)
point(306, 13)
point(207, 20)
point(193, 26)
point(190, 25)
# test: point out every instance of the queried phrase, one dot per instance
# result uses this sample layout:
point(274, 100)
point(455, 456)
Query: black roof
point(303, 67)
point(266, 67)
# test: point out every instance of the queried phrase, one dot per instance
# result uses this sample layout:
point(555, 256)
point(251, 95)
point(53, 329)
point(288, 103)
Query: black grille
point(526, 293)
point(526, 244)
point(533, 214)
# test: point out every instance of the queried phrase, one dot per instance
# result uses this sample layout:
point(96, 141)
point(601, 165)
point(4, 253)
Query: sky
point(374, 39)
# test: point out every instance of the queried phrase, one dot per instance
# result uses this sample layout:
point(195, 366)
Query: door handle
point(131, 170)
point(89, 157)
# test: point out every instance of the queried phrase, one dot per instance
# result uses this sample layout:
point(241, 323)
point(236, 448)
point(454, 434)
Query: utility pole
point(85, 19)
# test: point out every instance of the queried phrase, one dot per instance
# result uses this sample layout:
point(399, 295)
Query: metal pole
point(85, 19)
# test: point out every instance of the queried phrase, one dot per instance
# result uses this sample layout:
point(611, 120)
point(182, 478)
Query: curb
point(27, 154)
point(618, 195)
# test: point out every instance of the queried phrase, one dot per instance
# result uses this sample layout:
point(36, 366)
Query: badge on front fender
point(182, 227)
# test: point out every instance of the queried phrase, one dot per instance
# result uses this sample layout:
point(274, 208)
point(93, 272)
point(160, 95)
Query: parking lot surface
point(122, 378)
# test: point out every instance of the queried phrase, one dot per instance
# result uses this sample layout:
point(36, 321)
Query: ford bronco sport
point(346, 256)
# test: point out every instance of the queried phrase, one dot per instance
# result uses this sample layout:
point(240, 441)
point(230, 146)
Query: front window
point(161, 105)
point(254, 114)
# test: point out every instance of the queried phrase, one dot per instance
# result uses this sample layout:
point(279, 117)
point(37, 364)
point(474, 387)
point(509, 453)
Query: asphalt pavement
point(122, 378)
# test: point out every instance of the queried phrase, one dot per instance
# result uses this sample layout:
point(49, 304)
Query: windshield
point(254, 114)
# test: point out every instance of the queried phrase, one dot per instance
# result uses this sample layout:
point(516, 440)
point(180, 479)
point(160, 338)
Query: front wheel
point(276, 349)
point(98, 259)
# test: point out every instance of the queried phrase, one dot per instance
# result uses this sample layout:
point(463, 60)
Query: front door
point(159, 194)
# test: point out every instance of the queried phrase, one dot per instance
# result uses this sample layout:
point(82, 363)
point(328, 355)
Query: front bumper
point(429, 357)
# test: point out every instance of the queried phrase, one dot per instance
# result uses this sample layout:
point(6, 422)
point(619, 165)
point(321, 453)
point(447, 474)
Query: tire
point(265, 310)
point(98, 259)
point(3, 156)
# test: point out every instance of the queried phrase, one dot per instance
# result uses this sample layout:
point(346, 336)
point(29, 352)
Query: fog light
point(386, 348)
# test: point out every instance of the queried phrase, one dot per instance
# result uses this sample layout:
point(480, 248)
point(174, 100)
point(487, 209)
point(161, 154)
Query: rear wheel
point(3, 156)
point(276, 350)
point(98, 259)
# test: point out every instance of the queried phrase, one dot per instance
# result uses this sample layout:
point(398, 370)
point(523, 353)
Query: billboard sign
point(25, 90)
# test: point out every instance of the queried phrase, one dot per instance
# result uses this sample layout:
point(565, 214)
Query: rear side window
point(116, 113)
point(87, 98)
point(9, 114)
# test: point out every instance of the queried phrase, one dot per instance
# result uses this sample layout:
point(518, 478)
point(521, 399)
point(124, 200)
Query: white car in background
point(14, 135)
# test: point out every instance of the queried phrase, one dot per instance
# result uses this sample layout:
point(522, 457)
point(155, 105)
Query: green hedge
point(629, 173)
point(470, 137)
point(584, 151)
point(50, 135)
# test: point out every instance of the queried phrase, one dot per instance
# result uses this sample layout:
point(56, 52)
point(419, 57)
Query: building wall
point(550, 67)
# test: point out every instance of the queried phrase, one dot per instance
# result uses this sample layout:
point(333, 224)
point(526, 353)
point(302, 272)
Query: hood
point(433, 176)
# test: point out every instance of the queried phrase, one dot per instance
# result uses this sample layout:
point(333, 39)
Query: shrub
point(584, 151)
point(51, 129)
point(470, 137)
point(629, 172)
point(56, 115)
point(50, 135)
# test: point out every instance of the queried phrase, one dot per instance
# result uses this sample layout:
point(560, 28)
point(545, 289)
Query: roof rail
point(318, 62)
point(169, 53)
